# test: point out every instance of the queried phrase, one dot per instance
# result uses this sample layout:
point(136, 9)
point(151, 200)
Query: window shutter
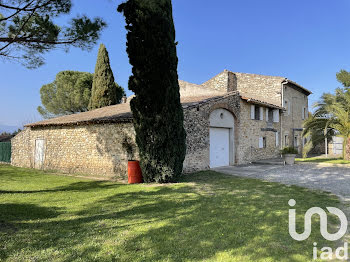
point(261, 142)
point(261, 113)
point(276, 115)
point(252, 111)
point(277, 139)
point(267, 114)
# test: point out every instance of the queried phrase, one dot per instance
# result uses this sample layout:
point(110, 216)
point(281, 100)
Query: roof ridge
point(256, 74)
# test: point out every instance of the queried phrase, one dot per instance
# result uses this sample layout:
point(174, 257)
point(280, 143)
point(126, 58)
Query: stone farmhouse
point(231, 119)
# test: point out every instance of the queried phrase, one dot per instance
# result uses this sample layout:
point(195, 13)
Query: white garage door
point(219, 147)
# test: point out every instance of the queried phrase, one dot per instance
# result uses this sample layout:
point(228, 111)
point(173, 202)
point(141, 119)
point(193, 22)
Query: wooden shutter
point(261, 113)
point(267, 115)
point(261, 142)
point(276, 115)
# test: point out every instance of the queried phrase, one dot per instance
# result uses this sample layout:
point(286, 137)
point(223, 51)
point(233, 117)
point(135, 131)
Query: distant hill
point(8, 129)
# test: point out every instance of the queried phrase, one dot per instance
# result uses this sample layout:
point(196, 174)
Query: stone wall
point(188, 90)
point(292, 117)
point(196, 123)
point(87, 149)
point(218, 82)
point(268, 88)
point(249, 132)
point(96, 149)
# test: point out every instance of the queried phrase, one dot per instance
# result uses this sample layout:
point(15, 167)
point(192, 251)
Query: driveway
point(334, 179)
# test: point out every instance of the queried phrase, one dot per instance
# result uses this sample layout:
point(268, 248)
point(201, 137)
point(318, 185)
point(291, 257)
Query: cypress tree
point(156, 107)
point(105, 91)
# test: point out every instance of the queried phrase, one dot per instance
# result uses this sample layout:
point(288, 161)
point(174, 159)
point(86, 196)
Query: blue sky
point(306, 41)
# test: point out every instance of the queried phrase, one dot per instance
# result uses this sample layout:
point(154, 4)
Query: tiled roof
point(257, 101)
point(122, 112)
point(115, 113)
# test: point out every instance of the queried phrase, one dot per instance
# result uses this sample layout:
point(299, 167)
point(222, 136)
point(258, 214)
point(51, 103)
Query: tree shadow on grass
point(78, 186)
point(24, 212)
point(208, 215)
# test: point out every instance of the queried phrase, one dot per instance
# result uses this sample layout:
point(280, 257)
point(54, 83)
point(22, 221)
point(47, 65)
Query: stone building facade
point(231, 119)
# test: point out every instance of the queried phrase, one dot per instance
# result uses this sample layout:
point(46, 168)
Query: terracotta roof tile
point(115, 113)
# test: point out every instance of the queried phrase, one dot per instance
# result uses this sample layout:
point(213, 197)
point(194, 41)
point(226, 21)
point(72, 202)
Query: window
point(286, 143)
point(296, 141)
point(270, 115)
point(276, 115)
point(304, 113)
point(256, 112)
point(287, 106)
point(264, 142)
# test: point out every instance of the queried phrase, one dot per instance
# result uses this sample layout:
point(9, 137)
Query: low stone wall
point(87, 149)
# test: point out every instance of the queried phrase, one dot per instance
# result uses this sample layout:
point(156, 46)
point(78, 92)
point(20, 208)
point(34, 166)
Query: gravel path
point(334, 179)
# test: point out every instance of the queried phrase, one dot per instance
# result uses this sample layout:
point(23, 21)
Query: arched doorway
point(221, 137)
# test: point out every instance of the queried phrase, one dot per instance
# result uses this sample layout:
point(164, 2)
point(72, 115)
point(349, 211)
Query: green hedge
point(5, 152)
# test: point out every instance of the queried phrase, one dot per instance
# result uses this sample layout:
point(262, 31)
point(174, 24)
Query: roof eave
point(103, 121)
point(262, 103)
point(297, 85)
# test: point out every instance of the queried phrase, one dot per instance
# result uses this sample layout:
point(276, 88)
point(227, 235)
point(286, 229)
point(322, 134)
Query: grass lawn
point(323, 160)
point(207, 217)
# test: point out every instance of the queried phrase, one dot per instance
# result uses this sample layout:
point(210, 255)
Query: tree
point(156, 107)
point(314, 130)
point(105, 91)
point(343, 77)
point(69, 93)
point(27, 29)
point(332, 113)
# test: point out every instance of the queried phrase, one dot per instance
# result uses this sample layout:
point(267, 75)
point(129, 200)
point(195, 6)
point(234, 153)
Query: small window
point(257, 113)
point(304, 114)
point(286, 140)
point(276, 115)
point(270, 115)
point(287, 107)
point(264, 142)
point(296, 141)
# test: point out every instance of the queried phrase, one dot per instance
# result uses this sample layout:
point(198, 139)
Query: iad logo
point(327, 252)
point(323, 221)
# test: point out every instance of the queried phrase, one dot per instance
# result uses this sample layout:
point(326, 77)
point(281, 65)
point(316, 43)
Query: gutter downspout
point(284, 82)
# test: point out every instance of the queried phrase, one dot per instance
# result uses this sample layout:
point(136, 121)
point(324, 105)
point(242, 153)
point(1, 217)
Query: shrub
point(289, 150)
